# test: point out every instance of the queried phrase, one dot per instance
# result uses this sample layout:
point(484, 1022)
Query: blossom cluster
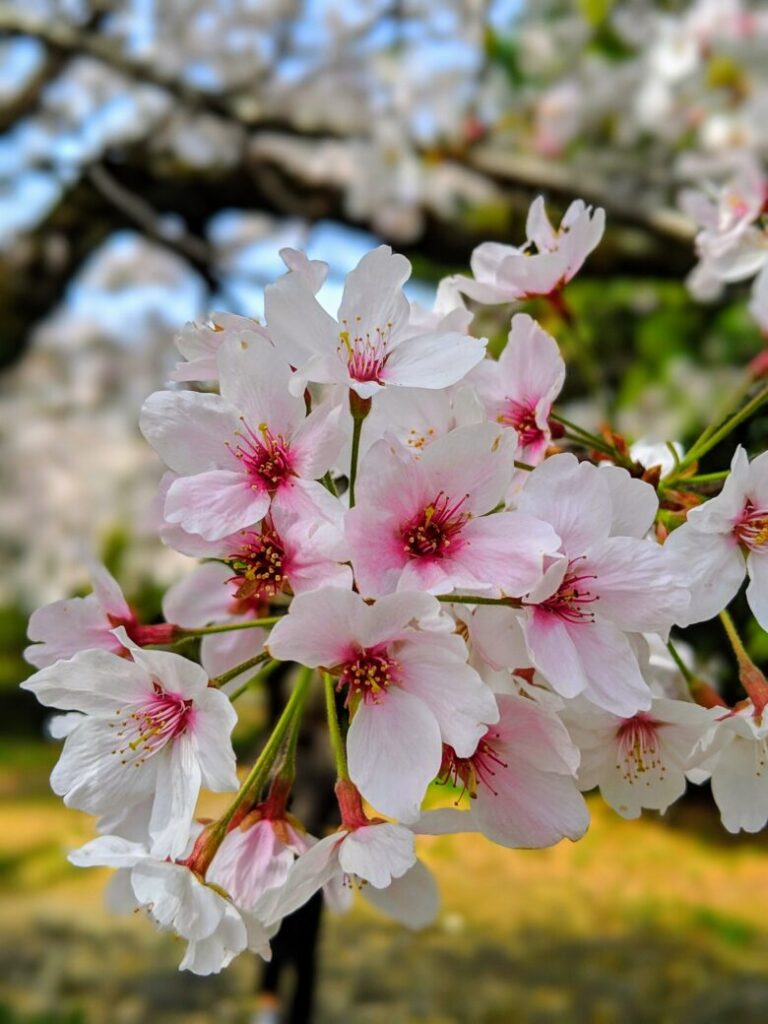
point(483, 591)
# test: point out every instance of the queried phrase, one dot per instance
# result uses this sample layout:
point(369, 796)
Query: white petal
point(189, 430)
point(413, 899)
point(378, 853)
point(395, 750)
point(216, 503)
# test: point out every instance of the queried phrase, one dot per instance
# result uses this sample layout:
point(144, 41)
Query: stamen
point(479, 769)
point(752, 528)
point(144, 730)
point(264, 455)
point(521, 416)
point(432, 531)
point(571, 597)
point(259, 565)
point(365, 355)
point(370, 674)
point(639, 751)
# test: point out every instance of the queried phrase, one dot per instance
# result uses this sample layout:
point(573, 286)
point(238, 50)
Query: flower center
point(364, 354)
point(370, 674)
point(521, 416)
point(639, 752)
point(570, 601)
point(147, 728)
point(752, 528)
point(432, 531)
point(474, 771)
point(265, 456)
point(259, 565)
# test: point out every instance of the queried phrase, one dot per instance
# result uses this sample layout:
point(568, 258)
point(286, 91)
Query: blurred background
point(154, 157)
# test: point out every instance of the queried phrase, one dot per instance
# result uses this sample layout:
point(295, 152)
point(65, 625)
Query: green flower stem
point(507, 602)
point(705, 443)
point(257, 776)
point(334, 729)
point(260, 677)
point(357, 427)
point(233, 673)
point(699, 478)
point(578, 434)
point(685, 672)
point(750, 676)
point(227, 627)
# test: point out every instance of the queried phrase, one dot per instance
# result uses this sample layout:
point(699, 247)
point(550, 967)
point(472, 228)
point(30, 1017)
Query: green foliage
point(595, 11)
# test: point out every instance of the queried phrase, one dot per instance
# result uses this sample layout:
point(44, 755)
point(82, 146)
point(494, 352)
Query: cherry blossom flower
point(727, 214)
point(199, 344)
point(176, 898)
point(423, 523)
point(520, 780)
point(406, 679)
point(735, 751)
point(378, 857)
point(257, 855)
point(638, 762)
point(153, 733)
point(284, 553)
point(725, 540)
point(606, 584)
point(518, 390)
point(63, 628)
point(237, 452)
point(506, 273)
point(371, 345)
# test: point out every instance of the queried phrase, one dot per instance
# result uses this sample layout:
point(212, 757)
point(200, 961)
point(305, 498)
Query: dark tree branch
point(510, 169)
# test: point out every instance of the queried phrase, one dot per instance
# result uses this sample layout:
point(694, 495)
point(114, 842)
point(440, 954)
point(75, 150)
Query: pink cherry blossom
point(199, 344)
point(506, 273)
point(378, 857)
point(520, 780)
point(405, 678)
point(725, 540)
point(726, 214)
point(424, 523)
point(600, 589)
point(518, 390)
point(153, 732)
point(372, 343)
point(236, 453)
point(256, 856)
point(64, 628)
point(638, 762)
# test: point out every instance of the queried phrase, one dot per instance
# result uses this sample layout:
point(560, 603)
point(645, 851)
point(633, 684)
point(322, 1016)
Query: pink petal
point(216, 503)
point(190, 431)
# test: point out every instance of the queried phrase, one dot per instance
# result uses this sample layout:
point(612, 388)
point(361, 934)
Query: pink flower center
point(365, 355)
point(639, 751)
point(370, 674)
point(259, 565)
point(265, 456)
point(145, 729)
point(432, 532)
point(572, 599)
point(474, 771)
point(522, 416)
point(752, 528)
